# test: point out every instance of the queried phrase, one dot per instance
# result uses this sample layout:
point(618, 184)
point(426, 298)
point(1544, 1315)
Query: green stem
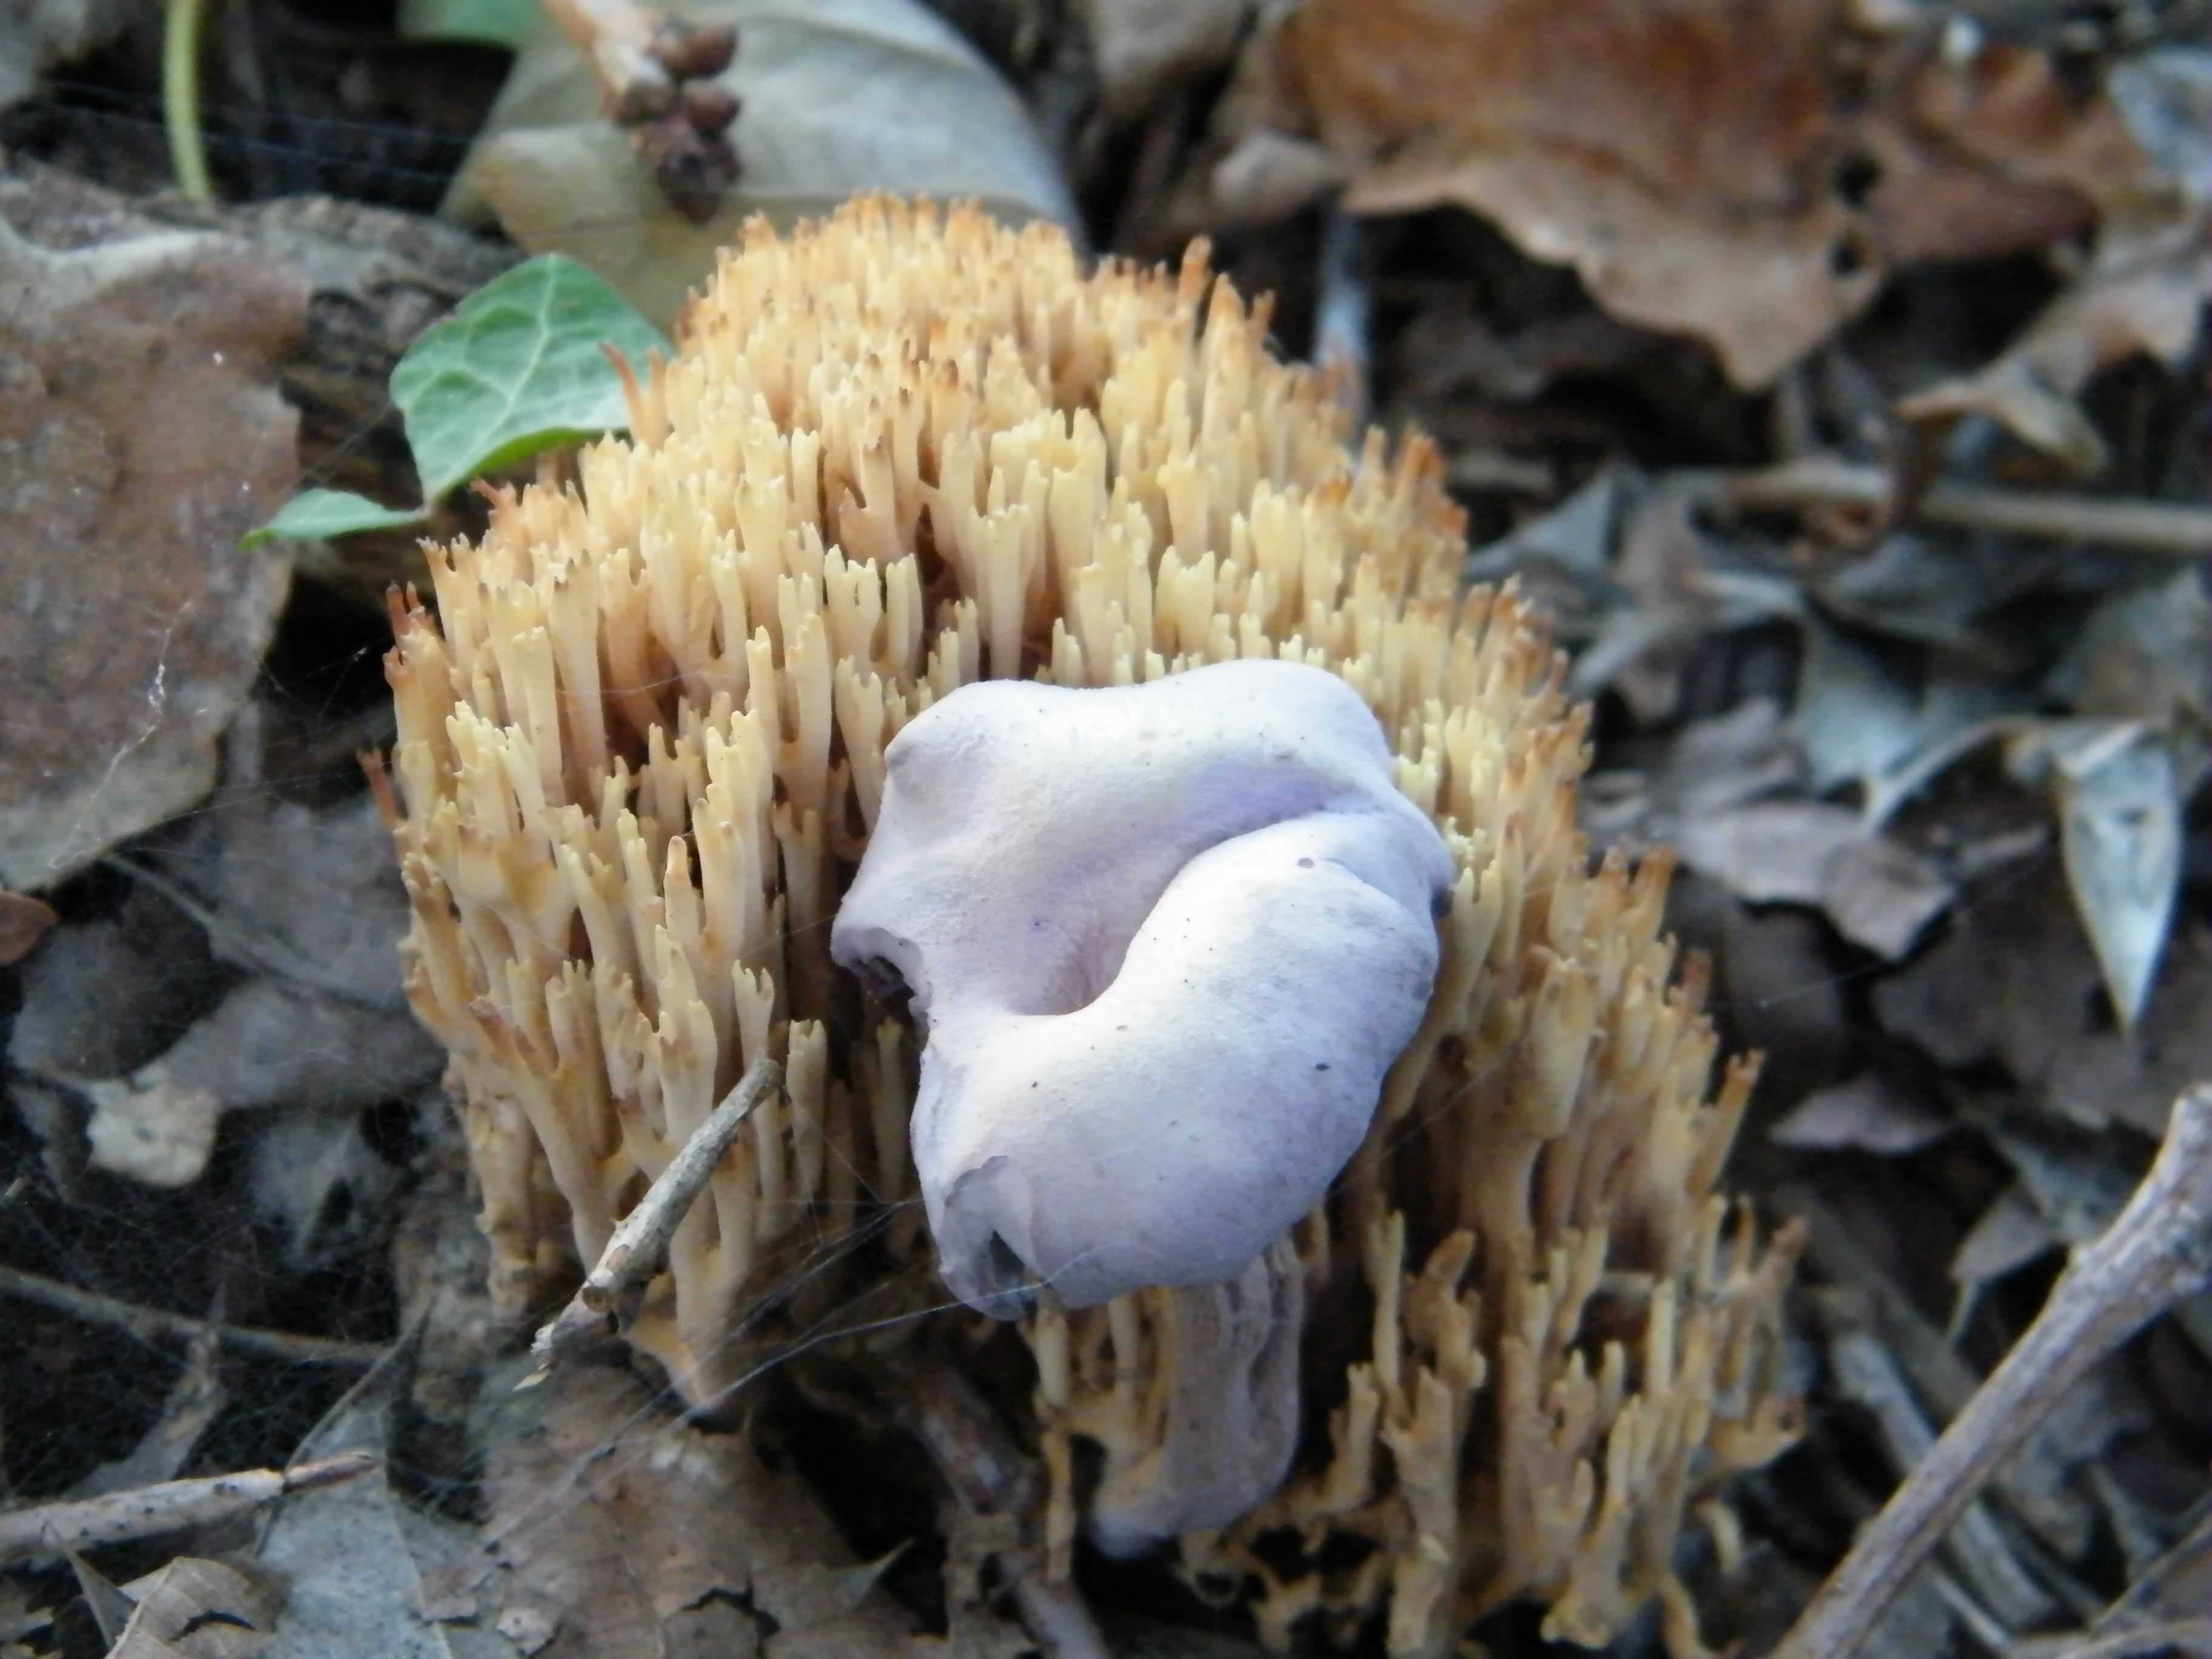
point(180, 99)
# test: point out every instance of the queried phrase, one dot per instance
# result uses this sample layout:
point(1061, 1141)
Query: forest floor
point(1831, 375)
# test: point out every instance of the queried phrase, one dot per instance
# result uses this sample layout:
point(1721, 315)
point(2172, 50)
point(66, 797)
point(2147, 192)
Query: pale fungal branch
point(608, 1300)
point(122, 1517)
point(2157, 1251)
point(150, 1324)
point(2161, 529)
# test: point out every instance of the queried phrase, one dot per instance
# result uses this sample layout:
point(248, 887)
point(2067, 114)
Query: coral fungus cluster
point(642, 749)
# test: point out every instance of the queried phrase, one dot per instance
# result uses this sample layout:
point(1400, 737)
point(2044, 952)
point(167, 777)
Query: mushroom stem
point(1229, 1421)
point(2156, 1252)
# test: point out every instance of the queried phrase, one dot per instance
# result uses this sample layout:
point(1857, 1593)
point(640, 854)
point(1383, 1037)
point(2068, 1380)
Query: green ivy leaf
point(518, 368)
point(315, 514)
point(510, 23)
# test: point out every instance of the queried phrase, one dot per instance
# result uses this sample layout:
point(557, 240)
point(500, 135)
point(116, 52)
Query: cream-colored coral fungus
point(641, 748)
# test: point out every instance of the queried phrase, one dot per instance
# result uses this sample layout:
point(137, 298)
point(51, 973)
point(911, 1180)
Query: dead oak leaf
point(141, 435)
point(615, 1532)
point(1746, 173)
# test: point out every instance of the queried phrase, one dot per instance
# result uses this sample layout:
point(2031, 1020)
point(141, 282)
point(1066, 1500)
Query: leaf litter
point(1860, 450)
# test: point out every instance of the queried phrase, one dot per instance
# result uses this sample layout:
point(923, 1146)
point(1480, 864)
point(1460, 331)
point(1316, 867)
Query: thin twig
point(1866, 1373)
point(2188, 1635)
point(2163, 529)
point(615, 39)
point(121, 1516)
point(149, 1323)
point(2156, 1252)
point(614, 1290)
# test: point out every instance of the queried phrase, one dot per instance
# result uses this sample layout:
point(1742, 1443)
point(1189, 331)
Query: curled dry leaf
point(1872, 1113)
point(2143, 296)
point(2008, 1235)
point(2014, 981)
point(837, 98)
point(2143, 653)
point(1879, 893)
point(196, 1609)
point(1747, 174)
point(141, 435)
point(1862, 720)
point(2119, 816)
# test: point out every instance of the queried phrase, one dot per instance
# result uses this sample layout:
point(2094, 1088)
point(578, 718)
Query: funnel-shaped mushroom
point(1168, 938)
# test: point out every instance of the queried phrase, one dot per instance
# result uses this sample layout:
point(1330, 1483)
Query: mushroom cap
point(1168, 938)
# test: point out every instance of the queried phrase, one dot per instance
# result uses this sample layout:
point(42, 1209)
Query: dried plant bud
point(694, 52)
point(709, 107)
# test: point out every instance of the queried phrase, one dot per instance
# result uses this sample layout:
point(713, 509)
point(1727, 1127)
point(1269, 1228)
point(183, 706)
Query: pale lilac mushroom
point(1166, 939)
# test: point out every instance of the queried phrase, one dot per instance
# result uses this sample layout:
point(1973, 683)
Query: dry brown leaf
point(2010, 1234)
point(1989, 151)
point(617, 1531)
point(1746, 173)
point(1871, 1112)
point(195, 1608)
point(2142, 297)
point(23, 923)
point(1879, 894)
point(141, 435)
point(2014, 981)
point(1144, 49)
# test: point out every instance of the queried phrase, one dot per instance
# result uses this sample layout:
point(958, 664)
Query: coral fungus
point(642, 749)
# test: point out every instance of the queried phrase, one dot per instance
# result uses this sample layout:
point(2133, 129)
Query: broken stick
point(119, 1518)
point(2157, 1251)
point(2171, 530)
point(612, 1292)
